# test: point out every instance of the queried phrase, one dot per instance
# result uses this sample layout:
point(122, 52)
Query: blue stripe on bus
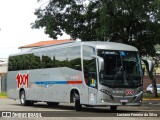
point(51, 82)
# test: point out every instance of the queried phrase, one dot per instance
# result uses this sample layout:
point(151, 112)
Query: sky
point(15, 29)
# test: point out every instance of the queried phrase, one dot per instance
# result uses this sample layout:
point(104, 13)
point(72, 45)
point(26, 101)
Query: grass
point(3, 94)
point(145, 95)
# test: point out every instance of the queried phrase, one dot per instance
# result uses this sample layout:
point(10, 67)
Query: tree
point(134, 22)
point(74, 17)
point(149, 69)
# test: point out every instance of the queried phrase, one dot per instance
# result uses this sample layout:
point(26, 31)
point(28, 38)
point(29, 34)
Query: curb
point(151, 98)
point(3, 96)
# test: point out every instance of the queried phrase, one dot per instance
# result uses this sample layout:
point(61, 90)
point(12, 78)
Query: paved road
point(66, 111)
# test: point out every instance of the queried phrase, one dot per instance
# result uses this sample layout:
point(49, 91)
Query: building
point(3, 65)
point(3, 71)
point(42, 43)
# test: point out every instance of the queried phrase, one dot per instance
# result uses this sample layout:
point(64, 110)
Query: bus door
point(92, 82)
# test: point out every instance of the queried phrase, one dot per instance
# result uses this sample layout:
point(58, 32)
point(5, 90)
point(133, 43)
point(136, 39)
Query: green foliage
point(145, 95)
point(134, 22)
point(3, 94)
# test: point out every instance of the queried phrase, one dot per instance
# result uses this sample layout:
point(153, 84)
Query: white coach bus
point(87, 73)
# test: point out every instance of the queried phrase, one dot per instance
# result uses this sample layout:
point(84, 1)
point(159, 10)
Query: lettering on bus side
point(22, 80)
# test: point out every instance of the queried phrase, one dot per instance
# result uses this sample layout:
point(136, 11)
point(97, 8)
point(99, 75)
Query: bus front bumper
point(121, 100)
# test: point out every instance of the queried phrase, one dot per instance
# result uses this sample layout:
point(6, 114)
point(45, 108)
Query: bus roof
point(111, 46)
point(95, 44)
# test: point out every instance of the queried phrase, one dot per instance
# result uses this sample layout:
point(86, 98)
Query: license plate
point(124, 100)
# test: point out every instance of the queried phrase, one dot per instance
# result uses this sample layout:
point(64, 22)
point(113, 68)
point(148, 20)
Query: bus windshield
point(121, 69)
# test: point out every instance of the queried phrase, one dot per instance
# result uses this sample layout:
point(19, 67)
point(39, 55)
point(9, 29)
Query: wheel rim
point(74, 98)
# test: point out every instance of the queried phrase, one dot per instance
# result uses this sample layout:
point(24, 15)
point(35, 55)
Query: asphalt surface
point(148, 109)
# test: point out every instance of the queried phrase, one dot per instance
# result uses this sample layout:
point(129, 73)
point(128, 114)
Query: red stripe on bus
point(74, 82)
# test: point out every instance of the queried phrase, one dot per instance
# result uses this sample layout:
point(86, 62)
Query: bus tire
point(113, 108)
point(30, 103)
point(52, 103)
point(23, 100)
point(78, 106)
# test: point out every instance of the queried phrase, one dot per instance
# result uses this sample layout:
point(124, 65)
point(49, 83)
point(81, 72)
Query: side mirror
point(100, 62)
point(149, 64)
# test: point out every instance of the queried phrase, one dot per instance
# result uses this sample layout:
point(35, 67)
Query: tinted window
point(36, 61)
point(65, 57)
point(74, 58)
point(121, 69)
point(89, 64)
point(47, 59)
point(60, 57)
point(87, 52)
point(24, 62)
point(20, 62)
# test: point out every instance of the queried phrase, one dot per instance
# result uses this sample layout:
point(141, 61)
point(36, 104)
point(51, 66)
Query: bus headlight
point(138, 93)
point(106, 92)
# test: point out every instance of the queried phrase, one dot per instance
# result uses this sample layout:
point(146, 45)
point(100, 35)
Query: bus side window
point(92, 74)
point(86, 77)
point(89, 66)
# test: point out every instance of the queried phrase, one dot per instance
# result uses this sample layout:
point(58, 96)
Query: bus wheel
point(52, 103)
point(23, 100)
point(113, 108)
point(78, 106)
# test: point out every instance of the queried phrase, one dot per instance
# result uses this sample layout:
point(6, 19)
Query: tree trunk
point(150, 69)
point(152, 78)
